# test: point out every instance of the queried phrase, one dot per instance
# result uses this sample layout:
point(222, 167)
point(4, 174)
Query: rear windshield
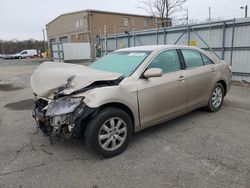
point(120, 62)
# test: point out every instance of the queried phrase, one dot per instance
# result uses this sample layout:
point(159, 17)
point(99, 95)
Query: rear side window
point(192, 58)
point(168, 61)
point(206, 60)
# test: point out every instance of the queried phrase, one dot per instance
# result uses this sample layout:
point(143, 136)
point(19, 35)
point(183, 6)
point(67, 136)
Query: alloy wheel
point(112, 134)
point(217, 97)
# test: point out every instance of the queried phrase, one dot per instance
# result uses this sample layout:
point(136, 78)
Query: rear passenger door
point(199, 72)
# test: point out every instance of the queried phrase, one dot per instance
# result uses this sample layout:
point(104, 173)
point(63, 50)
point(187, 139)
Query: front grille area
point(39, 113)
point(40, 104)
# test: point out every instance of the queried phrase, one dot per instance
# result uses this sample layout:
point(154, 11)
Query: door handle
point(181, 78)
point(214, 70)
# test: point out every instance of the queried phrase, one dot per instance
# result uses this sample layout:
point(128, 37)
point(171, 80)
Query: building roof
point(100, 11)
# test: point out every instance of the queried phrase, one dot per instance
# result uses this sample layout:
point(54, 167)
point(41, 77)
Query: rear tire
point(109, 132)
point(216, 98)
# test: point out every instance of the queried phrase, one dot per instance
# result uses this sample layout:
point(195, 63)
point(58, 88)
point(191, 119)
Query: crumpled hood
point(50, 76)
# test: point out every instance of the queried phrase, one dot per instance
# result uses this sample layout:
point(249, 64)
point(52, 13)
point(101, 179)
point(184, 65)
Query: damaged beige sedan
point(125, 92)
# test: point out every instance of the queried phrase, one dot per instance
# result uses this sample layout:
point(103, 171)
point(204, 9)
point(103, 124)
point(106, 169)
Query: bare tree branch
point(162, 8)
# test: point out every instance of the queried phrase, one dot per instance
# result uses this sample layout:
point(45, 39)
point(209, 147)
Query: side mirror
point(153, 72)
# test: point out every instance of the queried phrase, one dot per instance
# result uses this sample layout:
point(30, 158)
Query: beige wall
point(93, 25)
point(81, 37)
point(66, 26)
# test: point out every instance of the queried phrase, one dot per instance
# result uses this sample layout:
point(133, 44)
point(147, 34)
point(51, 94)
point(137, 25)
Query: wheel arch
point(83, 122)
point(122, 107)
point(223, 83)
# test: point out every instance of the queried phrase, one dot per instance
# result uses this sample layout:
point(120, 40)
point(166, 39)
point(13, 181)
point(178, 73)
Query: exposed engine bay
point(62, 117)
point(61, 111)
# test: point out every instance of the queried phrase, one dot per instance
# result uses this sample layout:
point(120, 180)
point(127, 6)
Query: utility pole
point(133, 32)
point(44, 40)
point(188, 32)
point(209, 12)
point(210, 23)
point(246, 10)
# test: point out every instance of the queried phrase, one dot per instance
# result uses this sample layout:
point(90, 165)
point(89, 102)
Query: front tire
point(109, 132)
point(216, 98)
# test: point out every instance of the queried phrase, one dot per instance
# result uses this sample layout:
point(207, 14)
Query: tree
point(15, 46)
point(163, 9)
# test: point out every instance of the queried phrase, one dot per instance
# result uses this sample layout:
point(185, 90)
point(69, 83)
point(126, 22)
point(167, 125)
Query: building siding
point(93, 25)
point(65, 26)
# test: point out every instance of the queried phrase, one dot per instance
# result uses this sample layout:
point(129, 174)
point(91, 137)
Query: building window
point(81, 23)
point(126, 22)
point(145, 23)
point(64, 39)
point(52, 41)
point(77, 23)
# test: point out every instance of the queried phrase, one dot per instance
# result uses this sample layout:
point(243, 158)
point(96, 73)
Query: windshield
point(120, 62)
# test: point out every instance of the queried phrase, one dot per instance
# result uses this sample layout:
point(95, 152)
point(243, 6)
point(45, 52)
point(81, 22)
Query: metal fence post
point(223, 40)
point(62, 50)
point(134, 33)
point(101, 42)
point(165, 36)
point(116, 45)
point(58, 52)
point(232, 44)
point(105, 39)
point(116, 42)
point(157, 36)
point(188, 32)
point(134, 39)
point(128, 40)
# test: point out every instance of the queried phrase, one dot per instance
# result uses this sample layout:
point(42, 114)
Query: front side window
point(25, 52)
point(192, 58)
point(168, 61)
point(120, 62)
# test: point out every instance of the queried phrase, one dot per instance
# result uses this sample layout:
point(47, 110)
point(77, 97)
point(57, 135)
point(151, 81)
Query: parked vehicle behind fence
point(125, 92)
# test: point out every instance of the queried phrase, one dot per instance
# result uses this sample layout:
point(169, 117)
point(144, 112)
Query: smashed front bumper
point(61, 117)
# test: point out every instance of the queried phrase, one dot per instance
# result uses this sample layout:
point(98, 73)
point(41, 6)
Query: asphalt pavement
point(199, 149)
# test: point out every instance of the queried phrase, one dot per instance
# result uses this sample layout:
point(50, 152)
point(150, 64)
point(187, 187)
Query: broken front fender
point(64, 105)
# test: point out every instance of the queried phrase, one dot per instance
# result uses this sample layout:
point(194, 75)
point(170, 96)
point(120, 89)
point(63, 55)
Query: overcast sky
point(25, 19)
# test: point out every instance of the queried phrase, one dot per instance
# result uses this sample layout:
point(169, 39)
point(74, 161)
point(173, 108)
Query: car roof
point(154, 48)
point(158, 48)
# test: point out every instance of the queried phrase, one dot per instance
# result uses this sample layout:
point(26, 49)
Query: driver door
point(162, 97)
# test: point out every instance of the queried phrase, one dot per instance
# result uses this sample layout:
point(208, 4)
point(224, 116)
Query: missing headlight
point(62, 106)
